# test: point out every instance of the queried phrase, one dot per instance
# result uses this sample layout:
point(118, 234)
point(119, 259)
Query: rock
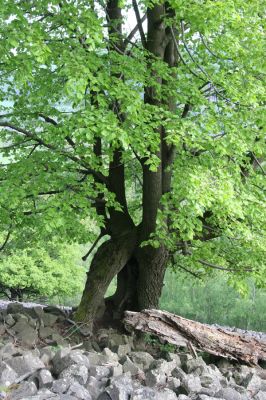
point(110, 356)
point(46, 354)
point(78, 372)
point(183, 397)
point(173, 357)
point(144, 393)
point(100, 372)
point(129, 366)
point(48, 319)
point(229, 393)
point(95, 358)
point(120, 387)
point(8, 350)
point(142, 359)
point(44, 394)
point(179, 373)
point(123, 350)
point(15, 308)
point(25, 364)
point(27, 336)
point(78, 391)
point(116, 370)
point(260, 396)
point(24, 390)
point(44, 378)
point(45, 332)
point(9, 320)
point(94, 387)
point(7, 375)
point(60, 385)
point(191, 384)
point(195, 365)
point(155, 377)
point(173, 383)
point(64, 358)
point(253, 383)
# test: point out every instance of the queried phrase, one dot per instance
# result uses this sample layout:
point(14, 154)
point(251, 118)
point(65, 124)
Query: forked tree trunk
point(109, 259)
point(140, 273)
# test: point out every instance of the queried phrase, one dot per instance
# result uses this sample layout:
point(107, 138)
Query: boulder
point(142, 359)
point(24, 390)
point(75, 372)
point(7, 375)
point(26, 364)
point(120, 387)
point(78, 391)
point(65, 357)
point(61, 385)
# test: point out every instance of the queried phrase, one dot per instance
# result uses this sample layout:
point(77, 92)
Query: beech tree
point(154, 134)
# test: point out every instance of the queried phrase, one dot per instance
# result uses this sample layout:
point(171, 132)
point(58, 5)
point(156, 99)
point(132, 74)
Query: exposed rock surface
point(44, 366)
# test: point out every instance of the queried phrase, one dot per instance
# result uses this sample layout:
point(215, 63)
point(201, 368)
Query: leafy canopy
point(59, 83)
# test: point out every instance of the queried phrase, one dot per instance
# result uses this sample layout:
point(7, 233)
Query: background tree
point(34, 269)
point(155, 134)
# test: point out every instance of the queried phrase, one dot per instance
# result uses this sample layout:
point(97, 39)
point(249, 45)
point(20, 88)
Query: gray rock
point(173, 383)
point(64, 358)
point(8, 350)
point(183, 397)
point(15, 308)
point(28, 336)
point(78, 372)
point(46, 354)
point(144, 393)
point(123, 350)
point(191, 384)
point(60, 385)
point(229, 393)
point(24, 390)
point(25, 364)
point(45, 379)
point(205, 397)
point(94, 387)
point(100, 372)
point(95, 358)
point(43, 394)
point(7, 375)
point(78, 391)
point(166, 394)
point(120, 387)
point(49, 319)
point(116, 370)
point(142, 359)
point(129, 366)
point(253, 383)
point(110, 356)
point(9, 320)
point(164, 366)
point(173, 357)
point(260, 396)
point(45, 332)
point(179, 373)
point(155, 377)
point(195, 365)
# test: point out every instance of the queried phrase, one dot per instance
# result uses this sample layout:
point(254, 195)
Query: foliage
point(42, 269)
point(65, 89)
point(214, 301)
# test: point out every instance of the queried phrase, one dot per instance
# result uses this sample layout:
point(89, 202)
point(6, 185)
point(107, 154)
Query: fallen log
point(183, 332)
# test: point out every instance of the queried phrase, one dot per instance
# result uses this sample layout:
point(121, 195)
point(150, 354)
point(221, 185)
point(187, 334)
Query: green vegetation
point(214, 301)
point(154, 135)
point(46, 270)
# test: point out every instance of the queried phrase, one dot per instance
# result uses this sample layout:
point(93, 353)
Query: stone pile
point(110, 369)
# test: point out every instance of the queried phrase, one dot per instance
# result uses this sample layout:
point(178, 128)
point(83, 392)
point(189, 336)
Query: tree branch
point(99, 176)
point(139, 23)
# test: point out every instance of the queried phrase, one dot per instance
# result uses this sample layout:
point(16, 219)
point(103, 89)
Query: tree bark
point(187, 333)
point(108, 261)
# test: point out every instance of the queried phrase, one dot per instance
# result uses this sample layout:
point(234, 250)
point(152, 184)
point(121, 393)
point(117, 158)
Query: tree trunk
point(108, 261)
point(152, 266)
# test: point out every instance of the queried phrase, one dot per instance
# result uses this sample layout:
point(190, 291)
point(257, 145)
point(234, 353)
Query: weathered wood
point(183, 332)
